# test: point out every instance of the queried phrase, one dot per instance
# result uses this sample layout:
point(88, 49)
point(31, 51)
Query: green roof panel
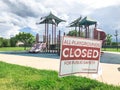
point(51, 19)
point(87, 21)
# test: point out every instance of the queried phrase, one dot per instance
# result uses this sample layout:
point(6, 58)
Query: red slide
point(100, 34)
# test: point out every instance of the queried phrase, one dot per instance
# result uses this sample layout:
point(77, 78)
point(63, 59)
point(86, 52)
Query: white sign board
point(79, 55)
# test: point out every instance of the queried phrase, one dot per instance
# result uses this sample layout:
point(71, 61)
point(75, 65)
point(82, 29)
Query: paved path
point(110, 65)
point(110, 57)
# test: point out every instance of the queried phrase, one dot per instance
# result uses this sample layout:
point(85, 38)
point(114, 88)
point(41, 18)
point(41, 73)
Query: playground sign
point(79, 55)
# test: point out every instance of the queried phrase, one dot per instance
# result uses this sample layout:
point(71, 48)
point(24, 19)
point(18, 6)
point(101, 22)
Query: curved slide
point(38, 47)
point(100, 35)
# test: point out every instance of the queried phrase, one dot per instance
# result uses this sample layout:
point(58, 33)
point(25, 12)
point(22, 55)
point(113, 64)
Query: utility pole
point(116, 35)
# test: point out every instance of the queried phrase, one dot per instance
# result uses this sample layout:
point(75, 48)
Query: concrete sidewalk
point(110, 72)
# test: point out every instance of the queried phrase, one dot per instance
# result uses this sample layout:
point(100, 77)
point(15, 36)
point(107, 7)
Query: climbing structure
point(50, 37)
point(76, 24)
point(83, 23)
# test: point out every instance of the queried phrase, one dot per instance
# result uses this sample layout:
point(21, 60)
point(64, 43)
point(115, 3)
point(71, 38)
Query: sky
point(22, 15)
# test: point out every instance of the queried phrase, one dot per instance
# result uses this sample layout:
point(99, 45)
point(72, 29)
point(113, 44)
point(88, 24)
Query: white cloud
point(8, 30)
point(17, 14)
point(99, 3)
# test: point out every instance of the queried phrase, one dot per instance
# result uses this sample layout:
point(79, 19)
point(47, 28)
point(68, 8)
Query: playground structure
point(85, 24)
point(38, 47)
point(100, 35)
point(51, 41)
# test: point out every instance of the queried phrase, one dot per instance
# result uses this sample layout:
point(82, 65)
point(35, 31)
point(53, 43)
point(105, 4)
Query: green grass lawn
point(111, 49)
point(14, 77)
point(12, 49)
point(22, 49)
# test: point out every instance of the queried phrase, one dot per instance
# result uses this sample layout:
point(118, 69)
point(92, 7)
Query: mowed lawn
point(15, 77)
point(13, 48)
point(28, 48)
point(111, 49)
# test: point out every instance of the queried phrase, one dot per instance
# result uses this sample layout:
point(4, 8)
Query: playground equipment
point(85, 23)
point(50, 38)
point(82, 24)
point(38, 47)
point(52, 41)
point(100, 35)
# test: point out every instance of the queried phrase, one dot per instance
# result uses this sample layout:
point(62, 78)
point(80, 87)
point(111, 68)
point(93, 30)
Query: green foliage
point(75, 33)
point(72, 33)
point(26, 38)
point(13, 41)
point(15, 77)
point(6, 43)
point(109, 39)
point(114, 43)
point(1, 42)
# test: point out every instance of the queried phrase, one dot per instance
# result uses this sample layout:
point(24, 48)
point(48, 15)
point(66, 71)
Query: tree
point(26, 38)
point(6, 43)
point(1, 42)
point(74, 33)
point(108, 39)
point(13, 41)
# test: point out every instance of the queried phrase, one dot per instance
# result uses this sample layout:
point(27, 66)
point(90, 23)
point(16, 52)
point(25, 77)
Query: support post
point(59, 40)
point(52, 33)
point(88, 32)
point(55, 35)
point(47, 36)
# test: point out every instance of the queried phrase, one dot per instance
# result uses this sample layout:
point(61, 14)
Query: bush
point(6, 43)
point(13, 41)
point(1, 42)
point(114, 43)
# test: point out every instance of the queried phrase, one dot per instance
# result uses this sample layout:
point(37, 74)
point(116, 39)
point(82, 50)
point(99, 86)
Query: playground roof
point(87, 21)
point(75, 23)
point(51, 19)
